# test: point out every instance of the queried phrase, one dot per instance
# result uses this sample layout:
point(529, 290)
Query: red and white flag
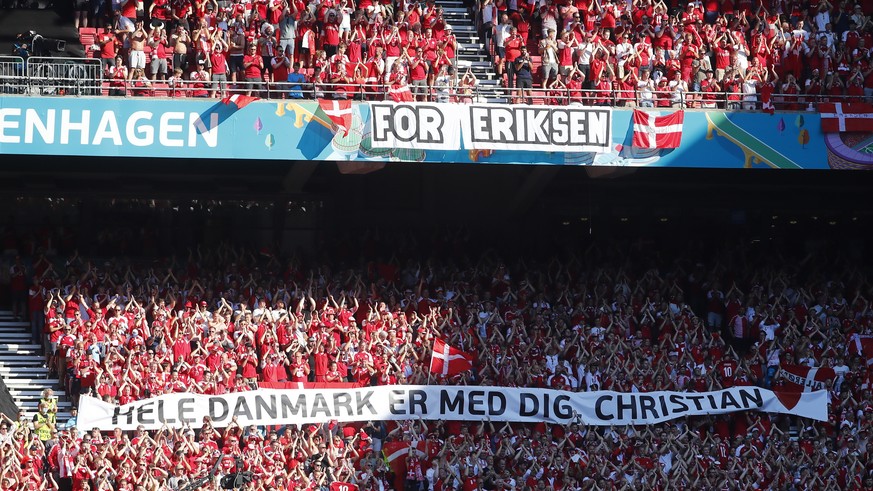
point(339, 111)
point(837, 117)
point(448, 361)
point(652, 131)
point(767, 99)
point(862, 345)
point(805, 379)
point(239, 100)
point(394, 454)
point(400, 93)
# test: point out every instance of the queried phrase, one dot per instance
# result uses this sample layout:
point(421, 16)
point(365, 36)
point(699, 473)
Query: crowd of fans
point(727, 54)
point(655, 53)
point(278, 49)
point(621, 318)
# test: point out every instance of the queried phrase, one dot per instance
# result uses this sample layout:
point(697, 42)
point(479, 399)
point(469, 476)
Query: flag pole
point(430, 363)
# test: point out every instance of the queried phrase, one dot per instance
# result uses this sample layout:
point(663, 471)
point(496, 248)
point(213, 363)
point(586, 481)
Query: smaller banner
point(651, 131)
point(837, 117)
point(403, 402)
point(415, 125)
point(806, 379)
point(543, 128)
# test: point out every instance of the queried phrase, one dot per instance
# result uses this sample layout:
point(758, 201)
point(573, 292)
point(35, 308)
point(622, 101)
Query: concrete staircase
point(472, 50)
point(22, 367)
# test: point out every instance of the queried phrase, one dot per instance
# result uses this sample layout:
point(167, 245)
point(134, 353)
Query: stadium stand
point(619, 316)
point(734, 55)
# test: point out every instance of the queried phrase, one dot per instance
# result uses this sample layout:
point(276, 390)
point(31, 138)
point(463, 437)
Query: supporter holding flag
point(862, 345)
point(339, 112)
point(398, 89)
point(238, 100)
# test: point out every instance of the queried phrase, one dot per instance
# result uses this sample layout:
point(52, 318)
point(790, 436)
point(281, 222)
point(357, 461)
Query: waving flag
point(239, 100)
point(837, 117)
point(805, 379)
point(400, 93)
point(449, 361)
point(862, 345)
point(652, 131)
point(394, 454)
point(339, 112)
point(767, 99)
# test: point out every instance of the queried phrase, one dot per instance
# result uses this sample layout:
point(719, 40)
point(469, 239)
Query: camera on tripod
point(36, 45)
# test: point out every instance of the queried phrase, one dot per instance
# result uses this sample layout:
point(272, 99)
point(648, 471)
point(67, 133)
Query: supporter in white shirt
point(769, 325)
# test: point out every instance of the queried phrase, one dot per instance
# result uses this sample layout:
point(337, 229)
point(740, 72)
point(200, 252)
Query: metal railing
point(64, 76)
point(84, 77)
point(539, 96)
point(13, 75)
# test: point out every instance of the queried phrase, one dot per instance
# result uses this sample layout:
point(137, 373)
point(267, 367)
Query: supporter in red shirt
point(253, 66)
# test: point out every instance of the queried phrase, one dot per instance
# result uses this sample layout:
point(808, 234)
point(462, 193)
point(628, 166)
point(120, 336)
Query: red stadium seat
point(87, 36)
point(161, 89)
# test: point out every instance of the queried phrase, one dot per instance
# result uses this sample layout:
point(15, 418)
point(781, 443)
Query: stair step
point(62, 416)
point(18, 347)
point(22, 352)
point(13, 329)
point(12, 323)
point(5, 336)
point(35, 404)
point(20, 362)
point(24, 393)
point(15, 371)
point(30, 383)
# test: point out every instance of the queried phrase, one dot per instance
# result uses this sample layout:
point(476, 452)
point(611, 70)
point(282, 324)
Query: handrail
point(72, 76)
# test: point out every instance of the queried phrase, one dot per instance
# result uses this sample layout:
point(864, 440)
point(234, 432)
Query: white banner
point(399, 402)
point(537, 128)
point(415, 125)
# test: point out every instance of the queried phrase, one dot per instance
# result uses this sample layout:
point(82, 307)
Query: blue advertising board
point(301, 130)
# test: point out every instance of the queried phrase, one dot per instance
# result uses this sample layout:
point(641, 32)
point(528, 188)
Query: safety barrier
point(13, 76)
point(478, 94)
point(64, 76)
point(84, 77)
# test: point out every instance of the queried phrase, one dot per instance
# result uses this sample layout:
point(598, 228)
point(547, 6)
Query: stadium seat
point(160, 89)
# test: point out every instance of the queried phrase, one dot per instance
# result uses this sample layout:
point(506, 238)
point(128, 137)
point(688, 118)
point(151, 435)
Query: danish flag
point(239, 100)
point(862, 345)
point(839, 117)
point(652, 131)
point(339, 112)
point(400, 93)
point(449, 361)
point(806, 379)
point(394, 455)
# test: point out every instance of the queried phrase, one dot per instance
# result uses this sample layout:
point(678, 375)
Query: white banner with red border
point(400, 402)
